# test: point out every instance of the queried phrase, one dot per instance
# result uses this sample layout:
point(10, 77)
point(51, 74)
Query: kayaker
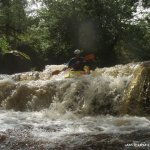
point(76, 63)
point(90, 60)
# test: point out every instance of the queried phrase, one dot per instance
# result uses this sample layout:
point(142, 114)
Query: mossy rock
point(15, 62)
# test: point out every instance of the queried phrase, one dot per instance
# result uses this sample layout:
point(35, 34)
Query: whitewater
point(95, 111)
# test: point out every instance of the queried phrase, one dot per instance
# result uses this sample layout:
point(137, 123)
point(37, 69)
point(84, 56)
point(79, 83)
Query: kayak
point(73, 74)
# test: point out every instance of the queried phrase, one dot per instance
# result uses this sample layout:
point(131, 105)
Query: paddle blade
point(56, 72)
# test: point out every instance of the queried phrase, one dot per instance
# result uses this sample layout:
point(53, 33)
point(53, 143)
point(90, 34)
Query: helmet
point(77, 52)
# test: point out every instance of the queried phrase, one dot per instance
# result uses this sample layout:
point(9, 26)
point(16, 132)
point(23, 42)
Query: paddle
point(56, 72)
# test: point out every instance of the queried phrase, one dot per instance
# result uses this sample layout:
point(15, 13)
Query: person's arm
point(70, 63)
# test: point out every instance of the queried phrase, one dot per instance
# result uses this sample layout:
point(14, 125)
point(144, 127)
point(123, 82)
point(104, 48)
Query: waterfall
point(122, 89)
point(106, 109)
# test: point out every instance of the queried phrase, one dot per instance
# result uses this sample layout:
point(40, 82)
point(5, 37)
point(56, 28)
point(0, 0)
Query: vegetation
point(104, 27)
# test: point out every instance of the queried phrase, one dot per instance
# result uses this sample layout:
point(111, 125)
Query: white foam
point(6, 81)
point(45, 127)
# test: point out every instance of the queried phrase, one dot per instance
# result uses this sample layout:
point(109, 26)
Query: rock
point(15, 62)
point(2, 137)
point(137, 96)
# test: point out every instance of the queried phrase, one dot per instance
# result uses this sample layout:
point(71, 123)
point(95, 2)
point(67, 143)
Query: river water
point(43, 112)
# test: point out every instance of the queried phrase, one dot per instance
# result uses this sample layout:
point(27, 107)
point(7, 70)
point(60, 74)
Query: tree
point(134, 45)
point(104, 27)
point(89, 25)
point(146, 3)
point(13, 19)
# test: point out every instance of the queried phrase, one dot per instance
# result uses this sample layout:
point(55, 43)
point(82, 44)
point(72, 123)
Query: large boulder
point(15, 62)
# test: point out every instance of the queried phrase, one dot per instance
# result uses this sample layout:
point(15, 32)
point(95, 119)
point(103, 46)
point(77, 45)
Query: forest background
point(111, 29)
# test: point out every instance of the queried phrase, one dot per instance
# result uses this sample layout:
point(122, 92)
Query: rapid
point(107, 109)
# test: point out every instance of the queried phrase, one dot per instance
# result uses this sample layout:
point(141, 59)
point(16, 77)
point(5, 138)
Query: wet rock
point(137, 96)
point(2, 137)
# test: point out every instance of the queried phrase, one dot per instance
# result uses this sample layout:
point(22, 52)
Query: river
point(43, 112)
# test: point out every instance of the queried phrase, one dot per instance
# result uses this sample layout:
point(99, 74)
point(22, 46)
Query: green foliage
point(13, 19)
point(18, 17)
point(146, 3)
point(21, 55)
point(36, 36)
point(4, 45)
point(89, 25)
point(135, 44)
point(104, 27)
